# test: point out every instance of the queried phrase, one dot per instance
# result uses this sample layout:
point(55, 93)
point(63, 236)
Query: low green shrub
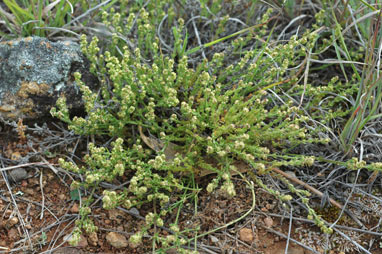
point(198, 119)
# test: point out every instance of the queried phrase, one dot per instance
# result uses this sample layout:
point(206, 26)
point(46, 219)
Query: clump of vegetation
point(48, 18)
point(198, 120)
point(32, 17)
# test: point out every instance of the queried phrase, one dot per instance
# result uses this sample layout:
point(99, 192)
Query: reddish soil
point(38, 215)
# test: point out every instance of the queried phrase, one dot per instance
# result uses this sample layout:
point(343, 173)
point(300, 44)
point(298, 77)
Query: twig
point(23, 165)
point(33, 202)
point(306, 186)
point(42, 196)
point(21, 219)
point(335, 226)
point(198, 39)
point(289, 230)
point(319, 193)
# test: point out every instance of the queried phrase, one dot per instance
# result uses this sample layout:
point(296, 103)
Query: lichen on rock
point(34, 72)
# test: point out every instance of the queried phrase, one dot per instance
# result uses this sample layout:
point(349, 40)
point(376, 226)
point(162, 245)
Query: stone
point(246, 235)
point(62, 196)
point(34, 72)
point(17, 174)
point(75, 208)
point(93, 239)
point(11, 222)
point(116, 240)
point(268, 222)
point(214, 239)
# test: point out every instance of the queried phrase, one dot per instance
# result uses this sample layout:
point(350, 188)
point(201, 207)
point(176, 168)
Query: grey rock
point(34, 72)
point(17, 174)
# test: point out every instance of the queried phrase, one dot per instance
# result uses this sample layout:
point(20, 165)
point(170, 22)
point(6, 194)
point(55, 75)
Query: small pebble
point(134, 211)
point(74, 208)
point(17, 174)
point(93, 239)
point(11, 222)
point(246, 235)
point(116, 240)
point(268, 222)
point(291, 173)
point(214, 239)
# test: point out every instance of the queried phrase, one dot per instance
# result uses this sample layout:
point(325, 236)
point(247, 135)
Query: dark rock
point(34, 72)
point(18, 174)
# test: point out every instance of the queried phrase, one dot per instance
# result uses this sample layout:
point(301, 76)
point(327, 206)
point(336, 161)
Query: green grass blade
point(39, 17)
point(338, 53)
point(61, 12)
point(368, 5)
point(8, 23)
point(20, 14)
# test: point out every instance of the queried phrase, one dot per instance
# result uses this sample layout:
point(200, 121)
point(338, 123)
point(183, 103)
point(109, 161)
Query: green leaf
point(75, 194)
